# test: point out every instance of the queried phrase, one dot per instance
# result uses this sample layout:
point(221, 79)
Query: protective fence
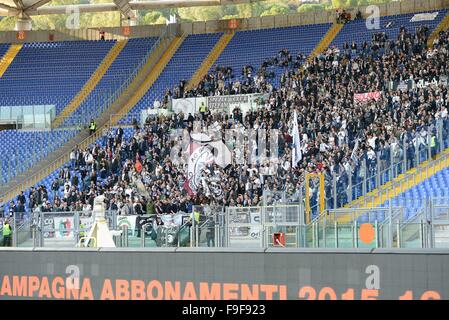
point(280, 225)
point(382, 227)
point(256, 226)
point(362, 175)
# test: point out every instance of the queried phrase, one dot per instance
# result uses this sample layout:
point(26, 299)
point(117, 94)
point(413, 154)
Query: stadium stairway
point(210, 60)
point(326, 40)
point(166, 51)
point(150, 71)
point(399, 185)
point(9, 57)
point(443, 25)
point(91, 83)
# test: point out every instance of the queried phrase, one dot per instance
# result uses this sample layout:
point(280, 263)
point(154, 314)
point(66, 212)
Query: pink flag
point(187, 187)
point(364, 97)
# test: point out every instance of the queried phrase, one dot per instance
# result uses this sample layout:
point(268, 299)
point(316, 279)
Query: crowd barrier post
point(124, 235)
point(34, 236)
point(14, 230)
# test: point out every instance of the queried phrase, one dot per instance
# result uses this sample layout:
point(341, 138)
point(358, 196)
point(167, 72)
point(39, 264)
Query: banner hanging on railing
point(129, 221)
point(188, 105)
point(424, 17)
point(58, 227)
point(227, 104)
point(245, 102)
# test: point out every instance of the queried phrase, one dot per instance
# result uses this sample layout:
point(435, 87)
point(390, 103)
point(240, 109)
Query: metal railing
point(428, 227)
point(370, 179)
point(250, 227)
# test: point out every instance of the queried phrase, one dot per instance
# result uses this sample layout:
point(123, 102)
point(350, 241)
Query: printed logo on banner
point(129, 221)
point(199, 159)
point(254, 232)
point(49, 224)
point(64, 227)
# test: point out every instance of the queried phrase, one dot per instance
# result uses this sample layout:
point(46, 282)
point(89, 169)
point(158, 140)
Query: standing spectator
point(21, 198)
point(73, 158)
point(7, 234)
point(203, 110)
point(92, 127)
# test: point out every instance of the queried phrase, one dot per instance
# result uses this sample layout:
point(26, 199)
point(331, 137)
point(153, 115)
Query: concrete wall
point(223, 274)
point(393, 8)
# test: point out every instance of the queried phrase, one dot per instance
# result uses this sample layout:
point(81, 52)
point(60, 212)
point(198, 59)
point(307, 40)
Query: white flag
point(296, 151)
point(353, 154)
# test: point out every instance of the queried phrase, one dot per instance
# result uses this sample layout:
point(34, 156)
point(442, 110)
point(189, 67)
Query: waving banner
point(198, 160)
point(205, 149)
point(364, 97)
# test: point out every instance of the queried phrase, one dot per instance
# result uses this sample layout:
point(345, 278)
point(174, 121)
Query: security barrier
point(249, 227)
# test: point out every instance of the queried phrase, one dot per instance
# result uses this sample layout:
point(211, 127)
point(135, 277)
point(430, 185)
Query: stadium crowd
point(337, 132)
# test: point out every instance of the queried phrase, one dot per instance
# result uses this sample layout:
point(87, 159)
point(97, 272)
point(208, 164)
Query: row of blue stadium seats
point(47, 181)
point(51, 73)
point(184, 63)
point(21, 149)
point(249, 47)
point(436, 188)
point(125, 63)
point(352, 31)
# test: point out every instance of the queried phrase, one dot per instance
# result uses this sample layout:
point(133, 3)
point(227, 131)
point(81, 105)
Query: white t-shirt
point(372, 142)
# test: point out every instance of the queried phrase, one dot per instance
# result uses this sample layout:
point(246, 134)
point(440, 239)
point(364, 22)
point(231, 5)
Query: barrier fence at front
point(246, 227)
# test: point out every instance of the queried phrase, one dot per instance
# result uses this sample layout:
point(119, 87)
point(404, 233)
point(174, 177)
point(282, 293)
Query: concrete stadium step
point(165, 52)
point(90, 85)
point(443, 25)
point(8, 58)
point(210, 60)
point(153, 67)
